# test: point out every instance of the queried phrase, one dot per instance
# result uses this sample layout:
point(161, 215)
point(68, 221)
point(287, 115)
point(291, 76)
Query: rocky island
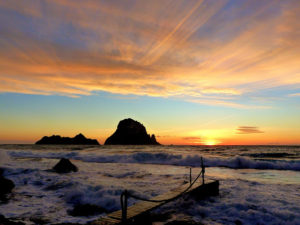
point(79, 139)
point(131, 132)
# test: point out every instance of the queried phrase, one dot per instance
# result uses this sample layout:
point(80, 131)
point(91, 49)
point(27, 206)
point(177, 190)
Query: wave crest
point(238, 162)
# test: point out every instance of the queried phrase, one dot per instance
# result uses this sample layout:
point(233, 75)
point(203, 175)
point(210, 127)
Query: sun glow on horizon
point(210, 142)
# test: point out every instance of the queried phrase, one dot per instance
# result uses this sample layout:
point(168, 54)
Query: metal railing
point(126, 194)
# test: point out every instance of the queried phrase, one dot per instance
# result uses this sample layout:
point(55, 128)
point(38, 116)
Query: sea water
point(258, 184)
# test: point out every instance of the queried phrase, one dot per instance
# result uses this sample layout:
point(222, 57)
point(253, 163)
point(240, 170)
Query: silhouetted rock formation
point(58, 140)
point(65, 166)
point(6, 185)
point(131, 132)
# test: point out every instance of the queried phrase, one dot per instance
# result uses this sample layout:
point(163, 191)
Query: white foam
point(4, 157)
point(237, 162)
point(244, 201)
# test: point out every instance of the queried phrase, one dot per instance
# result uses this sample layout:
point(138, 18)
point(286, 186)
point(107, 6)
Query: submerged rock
point(87, 210)
point(79, 139)
point(39, 220)
point(150, 218)
point(5, 221)
point(65, 166)
point(238, 222)
point(183, 222)
point(6, 185)
point(68, 223)
point(131, 132)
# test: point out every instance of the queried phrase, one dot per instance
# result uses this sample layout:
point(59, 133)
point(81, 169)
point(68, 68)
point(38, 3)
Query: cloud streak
point(248, 130)
point(294, 95)
point(191, 138)
point(211, 52)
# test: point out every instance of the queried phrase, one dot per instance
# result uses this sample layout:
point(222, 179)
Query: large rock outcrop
point(131, 132)
point(79, 139)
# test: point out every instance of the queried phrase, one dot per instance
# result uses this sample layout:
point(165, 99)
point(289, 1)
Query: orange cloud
point(189, 50)
point(248, 130)
point(294, 95)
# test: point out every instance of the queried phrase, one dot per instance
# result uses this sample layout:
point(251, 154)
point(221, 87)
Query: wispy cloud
point(294, 95)
point(191, 138)
point(248, 130)
point(208, 50)
point(223, 103)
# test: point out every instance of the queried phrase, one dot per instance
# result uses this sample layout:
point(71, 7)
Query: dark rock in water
point(79, 139)
point(5, 221)
point(65, 166)
point(68, 223)
point(238, 222)
point(1, 172)
point(183, 222)
point(131, 132)
point(6, 185)
point(149, 218)
point(87, 210)
point(39, 220)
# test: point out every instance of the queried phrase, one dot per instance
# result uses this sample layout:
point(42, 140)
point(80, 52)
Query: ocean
point(258, 184)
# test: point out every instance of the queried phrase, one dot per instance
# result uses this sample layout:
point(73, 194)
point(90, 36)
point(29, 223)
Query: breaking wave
point(238, 162)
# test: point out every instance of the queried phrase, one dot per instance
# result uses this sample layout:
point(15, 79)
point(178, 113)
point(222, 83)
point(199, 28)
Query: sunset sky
point(193, 72)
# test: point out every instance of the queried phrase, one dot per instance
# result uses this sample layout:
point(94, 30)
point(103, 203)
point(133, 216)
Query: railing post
point(124, 197)
point(203, 170)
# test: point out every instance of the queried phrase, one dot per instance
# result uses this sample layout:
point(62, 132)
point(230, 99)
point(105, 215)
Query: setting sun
point(210, 142)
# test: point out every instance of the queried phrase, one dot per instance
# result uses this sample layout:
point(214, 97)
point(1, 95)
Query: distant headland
point(79, 139)
point(131, 132)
